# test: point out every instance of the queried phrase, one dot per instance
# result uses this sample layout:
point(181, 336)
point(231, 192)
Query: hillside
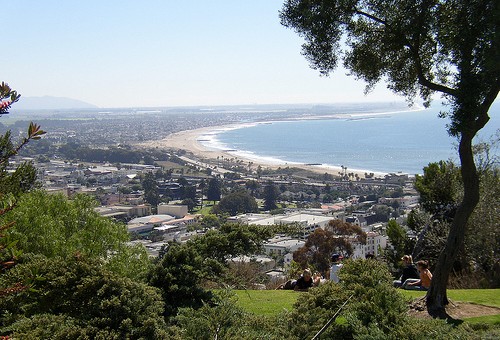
point(50, 103)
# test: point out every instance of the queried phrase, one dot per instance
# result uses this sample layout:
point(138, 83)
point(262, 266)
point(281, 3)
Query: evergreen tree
point(151, 192)
point(271, 194)
point(236, 202)
point(214, 189)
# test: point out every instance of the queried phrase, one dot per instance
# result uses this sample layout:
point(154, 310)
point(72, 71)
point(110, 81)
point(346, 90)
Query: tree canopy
point(236, 202)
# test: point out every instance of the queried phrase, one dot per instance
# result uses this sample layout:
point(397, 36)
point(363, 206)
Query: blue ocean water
point(392, 142)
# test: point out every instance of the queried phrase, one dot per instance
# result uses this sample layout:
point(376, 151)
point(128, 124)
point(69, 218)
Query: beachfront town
point(167, 195)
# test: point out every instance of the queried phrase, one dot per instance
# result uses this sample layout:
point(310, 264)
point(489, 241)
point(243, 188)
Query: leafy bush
point(179, 275)
point(224, 319)
point(52, 225)
point(373, 304)
point(85, 293)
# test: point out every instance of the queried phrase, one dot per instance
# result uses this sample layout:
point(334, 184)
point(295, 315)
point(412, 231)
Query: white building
point(307, 221)
point(405, 202)
point(178, 211)
point(282, 245)
point(147, 223)
point(374, 244)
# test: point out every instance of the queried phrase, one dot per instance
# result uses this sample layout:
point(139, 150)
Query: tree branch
point(422, 79)
point(372, 17)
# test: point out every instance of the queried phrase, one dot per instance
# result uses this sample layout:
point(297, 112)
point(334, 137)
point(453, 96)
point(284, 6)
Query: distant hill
point(51, 103)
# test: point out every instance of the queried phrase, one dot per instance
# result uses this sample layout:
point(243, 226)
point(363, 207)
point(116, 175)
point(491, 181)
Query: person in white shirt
point(334, 269)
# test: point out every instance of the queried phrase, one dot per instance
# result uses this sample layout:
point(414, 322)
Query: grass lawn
point(266, 302)
point(272, 302)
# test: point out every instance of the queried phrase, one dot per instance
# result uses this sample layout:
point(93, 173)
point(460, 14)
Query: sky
point(151, 53)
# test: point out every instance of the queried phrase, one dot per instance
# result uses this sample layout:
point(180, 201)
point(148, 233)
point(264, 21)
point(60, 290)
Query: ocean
point(378, 141)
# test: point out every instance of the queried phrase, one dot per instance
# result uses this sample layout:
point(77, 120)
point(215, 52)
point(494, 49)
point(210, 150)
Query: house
point(282, 245)
point(375, 242)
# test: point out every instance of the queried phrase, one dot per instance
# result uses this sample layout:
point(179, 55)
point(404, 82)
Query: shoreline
point(191, 141)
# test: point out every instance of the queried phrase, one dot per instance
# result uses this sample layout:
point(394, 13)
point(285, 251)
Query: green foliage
point(482, 250)
point(52, 225)
point(271, 194)
point(382, 212)
point(231, 240)
point(374, 303)
point(111, 154)
point(397, 237)
point(82, 292)
point(210, 221)
point(236, 202)
point(400, 242)
point(440, 193)
point(313, 309)
point(51, 326)
point(150, 186)
point(439, 188)
point(184, 268)
point(179, 275)
point(13, 184)
point(23, 178)
point(225, 319)
point(219, 321)
point(214, 189)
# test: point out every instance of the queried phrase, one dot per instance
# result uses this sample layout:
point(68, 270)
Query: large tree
point(419, 47)
point(214, 190)
point(236, 202)
point(271, 194)
point(336, 237)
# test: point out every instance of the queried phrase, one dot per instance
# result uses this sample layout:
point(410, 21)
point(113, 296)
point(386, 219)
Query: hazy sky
point(121, 53)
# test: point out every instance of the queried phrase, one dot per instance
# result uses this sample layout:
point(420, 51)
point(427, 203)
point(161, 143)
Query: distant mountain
point(50, 103)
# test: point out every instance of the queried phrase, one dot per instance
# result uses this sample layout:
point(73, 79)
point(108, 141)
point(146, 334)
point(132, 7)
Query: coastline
point(191, 141)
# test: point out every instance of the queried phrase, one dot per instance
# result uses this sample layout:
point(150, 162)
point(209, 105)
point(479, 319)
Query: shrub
point(85, 293)
point(374, 304)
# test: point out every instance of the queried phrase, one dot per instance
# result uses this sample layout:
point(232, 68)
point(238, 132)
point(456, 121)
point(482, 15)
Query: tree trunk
point(436, 296)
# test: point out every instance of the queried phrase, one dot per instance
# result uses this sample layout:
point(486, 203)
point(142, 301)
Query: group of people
point(308, 280)
point(415, 276)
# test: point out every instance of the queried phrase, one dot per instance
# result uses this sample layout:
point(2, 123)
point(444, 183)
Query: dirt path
point(457, 310)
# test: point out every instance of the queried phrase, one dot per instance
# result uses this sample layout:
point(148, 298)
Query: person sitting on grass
point(304, 282)
point(425, 278)
point(410, 271)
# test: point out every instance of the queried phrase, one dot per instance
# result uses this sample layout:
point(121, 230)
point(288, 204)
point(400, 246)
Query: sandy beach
point(189, 140)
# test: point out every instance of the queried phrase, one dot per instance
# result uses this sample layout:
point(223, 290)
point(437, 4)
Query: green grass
point(266, 302)
point(272, 302)
point(488, 319)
